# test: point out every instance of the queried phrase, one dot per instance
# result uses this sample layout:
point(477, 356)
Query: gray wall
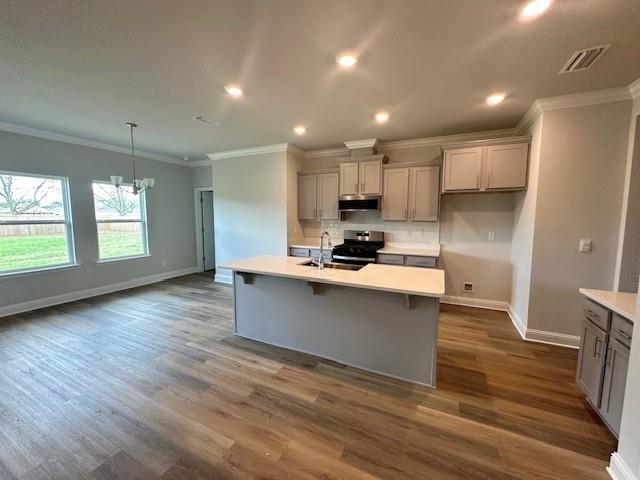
point(580, 191)
point(201, 177)
point(170, 216)
point(250, 207)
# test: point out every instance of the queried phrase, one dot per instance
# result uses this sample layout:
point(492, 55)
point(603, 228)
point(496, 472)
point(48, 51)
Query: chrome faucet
point(320, 261)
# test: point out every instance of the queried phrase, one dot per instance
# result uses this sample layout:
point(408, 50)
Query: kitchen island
point(381, 318)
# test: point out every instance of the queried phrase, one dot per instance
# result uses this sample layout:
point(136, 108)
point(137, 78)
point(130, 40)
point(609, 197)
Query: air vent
point(206, 120)
point(584, 59)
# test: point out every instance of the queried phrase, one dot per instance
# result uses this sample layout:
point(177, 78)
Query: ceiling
point(84, 67)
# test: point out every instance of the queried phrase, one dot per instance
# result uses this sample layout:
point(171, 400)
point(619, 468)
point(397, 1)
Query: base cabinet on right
point(603, 361)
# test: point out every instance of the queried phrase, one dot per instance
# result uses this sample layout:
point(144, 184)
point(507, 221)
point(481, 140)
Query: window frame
point(67, 222)
point(144, 234)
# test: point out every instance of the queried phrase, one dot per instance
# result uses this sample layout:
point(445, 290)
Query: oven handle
point(357, 259)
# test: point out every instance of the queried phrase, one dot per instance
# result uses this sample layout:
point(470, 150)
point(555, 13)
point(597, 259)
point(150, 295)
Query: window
point(122, 222)
point(35, 223)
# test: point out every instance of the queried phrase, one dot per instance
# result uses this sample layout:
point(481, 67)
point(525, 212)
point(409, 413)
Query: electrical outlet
point(467, 287)
point(585, 245)
point(491, 236)
point(164, 263)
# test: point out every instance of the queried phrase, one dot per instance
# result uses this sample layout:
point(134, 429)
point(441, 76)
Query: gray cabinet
point(487, 165)
point(603, 361)
point(318, 196)
point(411, 193)
point(407, 260)
point(362, 176)
point(591, 361)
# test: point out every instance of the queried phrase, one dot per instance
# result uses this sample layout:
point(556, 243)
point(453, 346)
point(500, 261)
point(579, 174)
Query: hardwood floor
point(151, 384)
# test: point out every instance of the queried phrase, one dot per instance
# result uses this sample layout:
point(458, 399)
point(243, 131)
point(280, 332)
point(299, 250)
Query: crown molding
point(447, 139)
point(327, 152)
point(245, 152)
point(582, 99)
point(366, 143)
point(200, 163)
point(59, 137)
point(634, 89)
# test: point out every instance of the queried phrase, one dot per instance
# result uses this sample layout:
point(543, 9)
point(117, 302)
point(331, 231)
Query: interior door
point(507, 166)
point(591, 361)
point(349, 178)
point(424, 193)
point(462, 168)
point(615, 380)
point(395, 196)
point(328, 196)
point(370, 172)
point(206, 218)
point(307, 194)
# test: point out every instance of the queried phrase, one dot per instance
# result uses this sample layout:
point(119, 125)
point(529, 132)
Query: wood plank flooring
point(151, 384)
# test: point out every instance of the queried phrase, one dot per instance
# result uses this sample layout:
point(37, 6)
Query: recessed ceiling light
point(233, 90)
point(535, 8)
point(495, 99)
point(346, 60)
point(299, 129)
point(381, 117)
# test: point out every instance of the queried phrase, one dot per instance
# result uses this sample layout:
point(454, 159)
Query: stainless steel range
point(359, 247)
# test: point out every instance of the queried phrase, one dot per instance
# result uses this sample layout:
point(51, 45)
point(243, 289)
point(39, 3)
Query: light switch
point(585, 245)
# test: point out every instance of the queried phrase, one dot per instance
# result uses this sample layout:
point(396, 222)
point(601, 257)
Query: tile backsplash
point(419, 232)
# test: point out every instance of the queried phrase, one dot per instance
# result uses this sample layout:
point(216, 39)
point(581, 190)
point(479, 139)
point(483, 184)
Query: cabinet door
point(370, 175)
point(615, 381)
point(328, 196)
point(307, 190)
point(349, 178)
point(424, 193)
point(591, 362)
point(395, 199)
point(507, 166)
point(462, 168)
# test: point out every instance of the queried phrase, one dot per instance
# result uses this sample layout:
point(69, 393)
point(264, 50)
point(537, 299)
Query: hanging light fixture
point(138, 185)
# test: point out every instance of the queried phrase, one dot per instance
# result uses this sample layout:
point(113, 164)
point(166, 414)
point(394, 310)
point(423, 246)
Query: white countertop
point(419, 250)
point(622, 303)
point(425, 282)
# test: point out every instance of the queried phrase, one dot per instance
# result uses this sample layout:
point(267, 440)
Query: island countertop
point(425, 282)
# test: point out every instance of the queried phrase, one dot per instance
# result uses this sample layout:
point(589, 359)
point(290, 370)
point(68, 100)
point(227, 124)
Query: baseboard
point(618, 468)
point(475, 302)
point(92, 292)
point(517, 322)
point(223, 277)
point(553, 338)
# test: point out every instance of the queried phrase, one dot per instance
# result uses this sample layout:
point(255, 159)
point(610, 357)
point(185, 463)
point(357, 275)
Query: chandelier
point(139, 185)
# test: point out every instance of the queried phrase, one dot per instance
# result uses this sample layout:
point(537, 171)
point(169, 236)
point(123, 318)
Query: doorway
point(205, 243)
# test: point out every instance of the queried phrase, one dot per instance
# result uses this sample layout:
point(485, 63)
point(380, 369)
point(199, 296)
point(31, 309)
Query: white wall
point(523, 229)
point(250, 207)
point(201, 177)
point(171, 230)
point(580, 190)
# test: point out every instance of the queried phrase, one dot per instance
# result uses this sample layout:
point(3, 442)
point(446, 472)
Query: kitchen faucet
point(320, 261)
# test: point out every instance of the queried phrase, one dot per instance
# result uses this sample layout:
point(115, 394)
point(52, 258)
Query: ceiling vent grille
point(584, 59)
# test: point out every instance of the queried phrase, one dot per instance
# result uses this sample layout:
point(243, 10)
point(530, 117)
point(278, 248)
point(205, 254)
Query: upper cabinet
point(411, 193)
point(362, 177)
point(318, 196)
point(486, 165)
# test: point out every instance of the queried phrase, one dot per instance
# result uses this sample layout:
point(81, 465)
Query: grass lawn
point(42, 250)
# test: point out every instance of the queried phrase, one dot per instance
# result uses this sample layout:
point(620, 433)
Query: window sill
point(36, 271)
point(122, 259)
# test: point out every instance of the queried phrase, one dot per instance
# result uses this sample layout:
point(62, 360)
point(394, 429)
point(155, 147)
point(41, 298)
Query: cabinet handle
point(608, 358)
point(362, 186)
point(413, 215)
point(478, 181)
point(596, 350)
point(622, 334)
point(405, 214)
point(320, 213)
point(314, 213)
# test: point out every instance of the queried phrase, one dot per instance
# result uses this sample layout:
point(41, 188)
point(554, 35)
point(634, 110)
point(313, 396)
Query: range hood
point(358, 203)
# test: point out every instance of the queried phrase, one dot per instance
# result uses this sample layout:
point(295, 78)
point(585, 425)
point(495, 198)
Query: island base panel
point(369, 329)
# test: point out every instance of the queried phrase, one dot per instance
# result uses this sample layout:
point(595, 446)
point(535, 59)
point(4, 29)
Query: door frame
point(198, 226)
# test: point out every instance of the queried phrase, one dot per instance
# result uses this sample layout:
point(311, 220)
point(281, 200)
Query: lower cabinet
point(603, 362)
point(309, 252)
point(407, 260)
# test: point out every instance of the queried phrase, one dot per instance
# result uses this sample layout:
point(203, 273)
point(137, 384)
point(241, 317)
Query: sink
point(337, 266)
